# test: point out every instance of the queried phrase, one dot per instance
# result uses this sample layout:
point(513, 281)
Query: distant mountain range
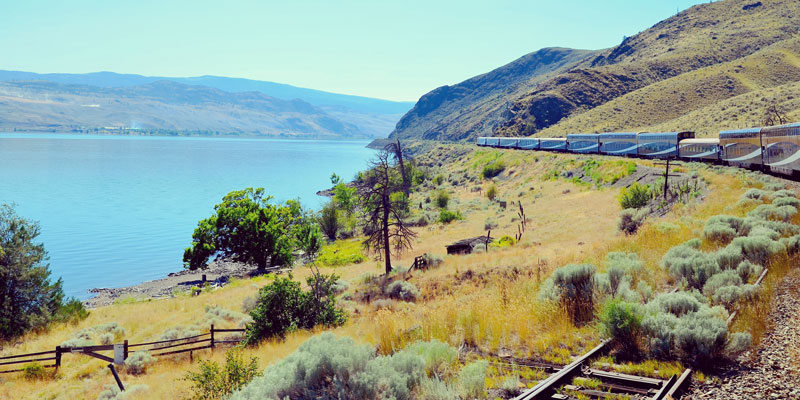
point(205, 104)
point(711, 67)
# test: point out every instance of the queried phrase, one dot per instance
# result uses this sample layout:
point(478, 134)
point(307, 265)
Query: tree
point(774, 116)
point(247, 228)
point(397, 150)
point(384, 213)
point(28, 300)
point(329, 220)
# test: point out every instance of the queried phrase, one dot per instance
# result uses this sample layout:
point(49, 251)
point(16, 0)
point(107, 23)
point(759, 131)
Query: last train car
point(528, 144)
point(481, 141)
point(781, 146)
point(507, 142)
point(706, 149)
point(619, 143)
point(553, 144)
point(741, 147)
point(583, 143)
point(662, 144)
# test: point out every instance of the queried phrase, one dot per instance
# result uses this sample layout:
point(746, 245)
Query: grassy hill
point(705, 69)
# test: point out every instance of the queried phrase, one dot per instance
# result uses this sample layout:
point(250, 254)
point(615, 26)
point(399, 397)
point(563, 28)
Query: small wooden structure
point(466, 246)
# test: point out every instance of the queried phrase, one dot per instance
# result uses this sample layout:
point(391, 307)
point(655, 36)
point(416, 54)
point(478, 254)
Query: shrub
point(217, 315)
point(701, 336)
point(438, 180)
point(327, 366)
point(635, 196)
point(436, 389)
point(433, 260)
point(628, 263)
point(438, 356)
point(447, 216)
point(724, 278)
point(34, 371)
point(786, 201)
point(791, 244)
point(676, 303)
point(138, 362)
point(748, 270)
point(685, 261)
point(490, 224)
point(283, 307)
point(402, 290)
point(659, 328)
point(757, 249)
point(729, 257)
point(214, 382)
point(442, 199)
point(772, 212)
point(644, 290)
point(493, 169)
point(491, 193)
point(764, 231)
point(723, 228)
point(783, 193)
point(784, 228)
point(112, 392)
point(329, 221)
point(504, 241)
point(630, 219)
point(472, 379)
point(341, 252)
point(510, 387)
point(249, 303)
point(756, 194)
point(572, 286)
point(622, 321)
point(727, 296)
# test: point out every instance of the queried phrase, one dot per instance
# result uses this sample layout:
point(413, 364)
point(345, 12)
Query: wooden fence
point(206, 340)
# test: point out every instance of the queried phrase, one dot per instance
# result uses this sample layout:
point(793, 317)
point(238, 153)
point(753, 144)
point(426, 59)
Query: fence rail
point(159, 345)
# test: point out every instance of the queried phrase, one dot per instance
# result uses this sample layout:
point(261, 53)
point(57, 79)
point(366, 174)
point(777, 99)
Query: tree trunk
point(385, 232)
point(399, 153)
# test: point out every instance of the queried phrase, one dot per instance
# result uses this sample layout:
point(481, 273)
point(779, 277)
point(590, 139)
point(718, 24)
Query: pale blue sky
point(395, 50)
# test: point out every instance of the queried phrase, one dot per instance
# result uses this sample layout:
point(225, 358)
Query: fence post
point(116, 377)
point(58, 356)
point(212, 336)
point(125, 352)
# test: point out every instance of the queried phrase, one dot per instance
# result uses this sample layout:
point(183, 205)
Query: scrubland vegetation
point(662, 292)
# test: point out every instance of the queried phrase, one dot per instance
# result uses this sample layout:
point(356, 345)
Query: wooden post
point(212, 336)
point(125, 352)
point(58, 356)
point(488, 235)
point(666, 180)
point(203, 282)
point(116, 377)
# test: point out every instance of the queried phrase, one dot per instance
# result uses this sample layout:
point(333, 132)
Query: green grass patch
point(341, 252)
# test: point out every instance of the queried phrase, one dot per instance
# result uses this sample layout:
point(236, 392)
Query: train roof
point(553, 138)
point(663, 133)
point(617, 133)
point(701, 141)
point(739, 131)
point(792, 125)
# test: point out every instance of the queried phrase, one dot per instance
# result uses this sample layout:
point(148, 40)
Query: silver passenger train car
point(775, 149)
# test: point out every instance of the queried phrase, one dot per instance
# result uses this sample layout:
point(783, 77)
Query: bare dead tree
point(774, 116)
point(397, 150)
point(383, 214)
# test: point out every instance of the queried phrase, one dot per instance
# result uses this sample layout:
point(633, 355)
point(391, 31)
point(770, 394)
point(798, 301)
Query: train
point(774, 149)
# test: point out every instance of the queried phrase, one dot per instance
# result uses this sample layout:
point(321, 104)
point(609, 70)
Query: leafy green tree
point(28, 299)
point(384, 213)
point(329, 220)
point(247, 228)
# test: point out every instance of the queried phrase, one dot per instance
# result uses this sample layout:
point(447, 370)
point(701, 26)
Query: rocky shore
point(218, 273)
point(774, 372)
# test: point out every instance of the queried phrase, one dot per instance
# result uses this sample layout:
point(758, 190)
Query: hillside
point(700, 70)
point(373, 117)
point(163, 106)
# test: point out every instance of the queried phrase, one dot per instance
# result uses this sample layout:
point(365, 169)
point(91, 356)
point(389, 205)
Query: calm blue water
point(116, 211)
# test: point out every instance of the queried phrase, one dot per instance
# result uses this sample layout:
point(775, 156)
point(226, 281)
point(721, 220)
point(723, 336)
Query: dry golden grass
point(487, 301)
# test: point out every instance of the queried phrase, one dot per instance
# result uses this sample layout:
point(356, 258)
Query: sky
point(396, 50)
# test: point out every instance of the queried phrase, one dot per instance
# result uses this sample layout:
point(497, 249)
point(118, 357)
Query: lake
point(118, 210)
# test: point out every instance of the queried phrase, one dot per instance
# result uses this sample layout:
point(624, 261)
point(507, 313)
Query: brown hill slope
point(696, 59)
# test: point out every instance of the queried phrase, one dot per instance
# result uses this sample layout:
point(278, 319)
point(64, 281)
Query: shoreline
point(218, 273)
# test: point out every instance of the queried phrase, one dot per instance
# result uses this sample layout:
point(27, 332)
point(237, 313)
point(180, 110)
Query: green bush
point(772, 212)
point(327, 366)
point(439, 357)
point(635, 196)
point(329, 220)
point(213, 382)
point(630, 219)
point(402, 290)
point(724, 278)
point(747, 270)
point(504, 241)
point(34, 371)
point(341, 252)
point(622, 321)
point(472, 380)
point(757, 194)
point(138, 362)
point(572, 286)
point(112, 392)
point(686, 261)
point(757, 249)
point(442, 199)
point(724, 228)
point(786, 201)
point(438, 180)
point(491, 193)
point(490, 224)
point(676, 303)
point(283, 307)
point(447, 216)
point(436, 389)
point(433, 260)
point(493, 169)
point(729, 257)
